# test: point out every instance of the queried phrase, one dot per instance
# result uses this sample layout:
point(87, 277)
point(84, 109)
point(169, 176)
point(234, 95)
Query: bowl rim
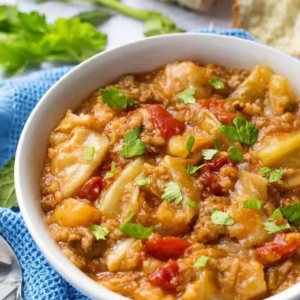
point(81, 281)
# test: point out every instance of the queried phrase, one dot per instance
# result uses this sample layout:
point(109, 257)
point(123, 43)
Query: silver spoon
point(10, 273)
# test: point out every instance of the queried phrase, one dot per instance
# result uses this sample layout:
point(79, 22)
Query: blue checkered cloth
point(17, 99)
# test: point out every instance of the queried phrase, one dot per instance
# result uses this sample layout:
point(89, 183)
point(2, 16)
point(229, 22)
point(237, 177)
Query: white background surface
point(122, 30)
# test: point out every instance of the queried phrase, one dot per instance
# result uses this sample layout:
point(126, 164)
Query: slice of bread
point(200, 5)
point(275, 22)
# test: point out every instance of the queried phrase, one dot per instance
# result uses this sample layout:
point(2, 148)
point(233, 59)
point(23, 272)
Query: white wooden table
point(122, 30)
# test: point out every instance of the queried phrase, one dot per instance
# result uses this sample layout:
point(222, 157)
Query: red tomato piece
point(281, 247)
point(210, 181)
point(166, 276)
point(164, 121)
point(91, 189)
point(217, 108)
point(167, 247)
point(218, 162)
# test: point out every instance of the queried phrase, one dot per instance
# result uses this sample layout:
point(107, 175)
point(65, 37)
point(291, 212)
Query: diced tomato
point(218, 162)
point(91, 189)
point(164, 121)
point(217, 107)
point(166, 276)
point(281, 247)
point(167, 247)
point(210, 181)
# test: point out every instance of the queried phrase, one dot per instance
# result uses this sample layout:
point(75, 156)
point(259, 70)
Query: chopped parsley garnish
point(193, 169)
point(187, 96)
point(235, 154)
point(216, 83)
point(273, 228)
point(192, 204)
point(292, 213)
point(172, 192)
point(100, 232)
point(253, 203)
point(115, 98)
point(143, 181)
point(275, 215)
point(89, 153)
point(202, 261)
point(132, 144)
point(273, 175)
point(190, 144)
point(112, 171)
point(135, 230)
point(208, 154)
point(216, 144)
point(243, 131)
point(221, 218)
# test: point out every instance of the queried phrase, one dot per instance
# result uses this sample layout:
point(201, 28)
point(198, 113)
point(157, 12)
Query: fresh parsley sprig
point(242, 131)
point(187, 96)
point(132, 145)
point(89, 153)
point(253, 203)
point(202, 261)
point(190, 144)
point(216, 83)
point(272, 175)
point(221, 218)
point(193, 169)
point(172, 192)
point(135, 230)
point(143, 181)
point(115, 98)
point(112, 171)
point(99, 232)
point(235, 154)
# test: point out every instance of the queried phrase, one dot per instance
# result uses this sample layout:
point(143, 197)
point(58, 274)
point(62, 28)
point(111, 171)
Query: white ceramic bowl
point(99, 70)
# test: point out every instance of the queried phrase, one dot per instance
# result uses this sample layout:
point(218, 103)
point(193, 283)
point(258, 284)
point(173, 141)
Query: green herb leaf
point(192, 204)
point(273, 175)
point(216, 144)
point(187, 96)
point(273, 228)
point(221, 218)
point(112, 171)
point(216, 83)
point(8, 197)
point(208, 154)
point(172, 192)
point(235, 154)
point(253, 203)
point(94, 17)
point(115, 98)
point(243, 131)
point(202, 261)
point(132, 145)
point(190, 144)
point(292, 213)
point(157, 24)
point(193, 169)
point(275, 215)
point(135, 230)
point(143, 181)
point(100, 232)
point(27, 40)
point(89, 153)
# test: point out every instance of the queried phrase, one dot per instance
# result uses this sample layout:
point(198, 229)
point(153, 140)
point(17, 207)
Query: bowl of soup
point(168, 169)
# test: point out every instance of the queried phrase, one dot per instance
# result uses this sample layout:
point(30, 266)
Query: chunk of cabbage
point(254, 87)
point(124, 255)
point(109, 203)
point(281, 151)
point(281, 96)
point(68, 163)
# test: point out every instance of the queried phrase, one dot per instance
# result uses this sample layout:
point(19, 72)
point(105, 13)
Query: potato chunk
point(281, 151)
point(255, 85)
point(68, 162)
point(179, 76)
point(74, 213)
point(281, 96)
